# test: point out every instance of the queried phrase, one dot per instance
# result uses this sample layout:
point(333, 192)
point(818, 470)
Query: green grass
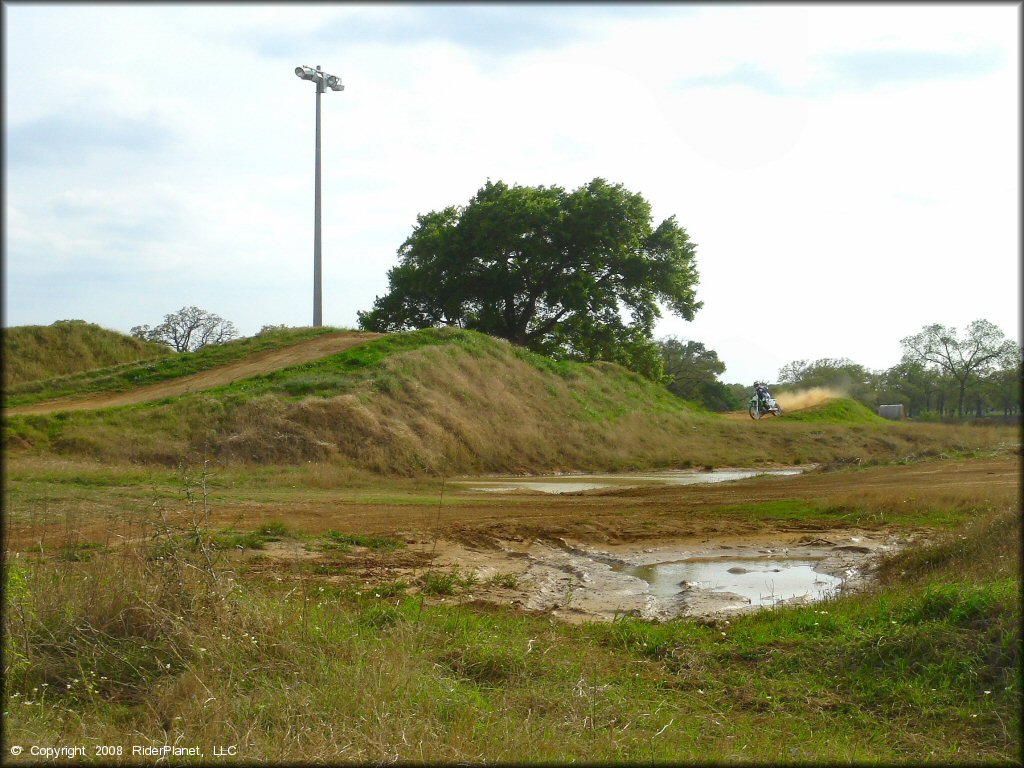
point(445, 582)
point(172, 545)
point(336, 374)
point(131, 375)
point(337, 540)
point(849, 514)
point(839, 411)
point(925, 669)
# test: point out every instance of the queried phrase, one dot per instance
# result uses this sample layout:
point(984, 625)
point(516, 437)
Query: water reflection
point(761, 581)
point(577, 483)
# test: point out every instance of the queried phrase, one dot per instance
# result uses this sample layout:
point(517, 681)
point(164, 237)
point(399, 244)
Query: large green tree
point(963, 359)
point(692, 371)
point(575, 274)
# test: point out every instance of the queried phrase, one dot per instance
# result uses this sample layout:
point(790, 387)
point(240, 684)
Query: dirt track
point(258, 363)
point(561, 544)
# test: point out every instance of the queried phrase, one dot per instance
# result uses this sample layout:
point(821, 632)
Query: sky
point(849, 173)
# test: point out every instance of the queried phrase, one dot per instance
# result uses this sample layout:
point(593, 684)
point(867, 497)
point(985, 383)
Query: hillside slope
point(454, 402)
point(34, 352)
point(251, 365)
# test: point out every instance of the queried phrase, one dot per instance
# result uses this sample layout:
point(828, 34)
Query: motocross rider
point(762, 393)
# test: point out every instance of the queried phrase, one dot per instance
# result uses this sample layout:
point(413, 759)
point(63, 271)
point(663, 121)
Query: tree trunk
point(960, 402)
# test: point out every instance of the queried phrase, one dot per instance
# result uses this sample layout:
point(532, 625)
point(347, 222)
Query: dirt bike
point(762, 404)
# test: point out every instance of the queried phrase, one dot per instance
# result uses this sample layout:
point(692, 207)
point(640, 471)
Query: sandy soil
point(261, 362)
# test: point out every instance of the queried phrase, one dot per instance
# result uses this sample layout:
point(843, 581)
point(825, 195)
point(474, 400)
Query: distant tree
point(188, 329)
point(838, 373)
point(547, 269)
point(267, 328)
point(739, 393)
point(911, 383)
point(963, 360)
point(692, 371)
point(1002, 386)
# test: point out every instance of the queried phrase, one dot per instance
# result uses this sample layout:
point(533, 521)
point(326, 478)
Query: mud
point(582, 555)
point(577, 581)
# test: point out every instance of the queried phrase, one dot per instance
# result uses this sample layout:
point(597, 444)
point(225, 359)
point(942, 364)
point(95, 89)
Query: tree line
point(943, 373)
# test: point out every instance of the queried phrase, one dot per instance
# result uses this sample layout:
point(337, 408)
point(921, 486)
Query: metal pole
point(317, 278)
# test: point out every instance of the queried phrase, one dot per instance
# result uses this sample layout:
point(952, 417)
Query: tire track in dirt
point(253, 365)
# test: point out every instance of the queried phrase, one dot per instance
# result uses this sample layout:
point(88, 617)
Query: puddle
point(577, 581)
point(576, 483)
point(759, 581)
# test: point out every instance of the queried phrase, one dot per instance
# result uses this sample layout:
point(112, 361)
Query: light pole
point(323, 82)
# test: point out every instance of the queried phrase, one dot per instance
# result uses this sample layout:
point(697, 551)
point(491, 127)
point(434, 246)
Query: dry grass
point(466, 403)
point(33, 352)
point(430, 410)
point(127, 648)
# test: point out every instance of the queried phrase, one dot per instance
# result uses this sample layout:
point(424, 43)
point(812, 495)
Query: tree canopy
point(188, 329)
point(692, 371)
point(980, 350)
point(551, 270)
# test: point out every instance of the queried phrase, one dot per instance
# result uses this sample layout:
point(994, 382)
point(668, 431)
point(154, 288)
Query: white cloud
point(849, 173)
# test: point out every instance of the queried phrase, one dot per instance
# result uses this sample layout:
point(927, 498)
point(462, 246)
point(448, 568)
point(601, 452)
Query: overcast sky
point(849, 173)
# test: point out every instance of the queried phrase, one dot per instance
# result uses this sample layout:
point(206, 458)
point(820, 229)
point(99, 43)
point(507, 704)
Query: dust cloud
point(806, 398)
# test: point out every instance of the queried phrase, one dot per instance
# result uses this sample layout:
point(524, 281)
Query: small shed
point(894, 412)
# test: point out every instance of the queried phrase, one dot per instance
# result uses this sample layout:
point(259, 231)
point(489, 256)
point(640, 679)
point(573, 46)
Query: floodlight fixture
point(323, 81)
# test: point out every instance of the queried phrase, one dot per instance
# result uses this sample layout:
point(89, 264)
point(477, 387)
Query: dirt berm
point(253, 365)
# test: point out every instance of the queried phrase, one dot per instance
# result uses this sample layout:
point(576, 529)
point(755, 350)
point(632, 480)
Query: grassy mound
point(841, 410)
point(129, 375)
point(452, 401)
point(432, 399)
point(35, 352)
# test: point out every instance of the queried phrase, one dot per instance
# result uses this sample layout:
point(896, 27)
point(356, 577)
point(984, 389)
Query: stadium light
point(323, 82)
